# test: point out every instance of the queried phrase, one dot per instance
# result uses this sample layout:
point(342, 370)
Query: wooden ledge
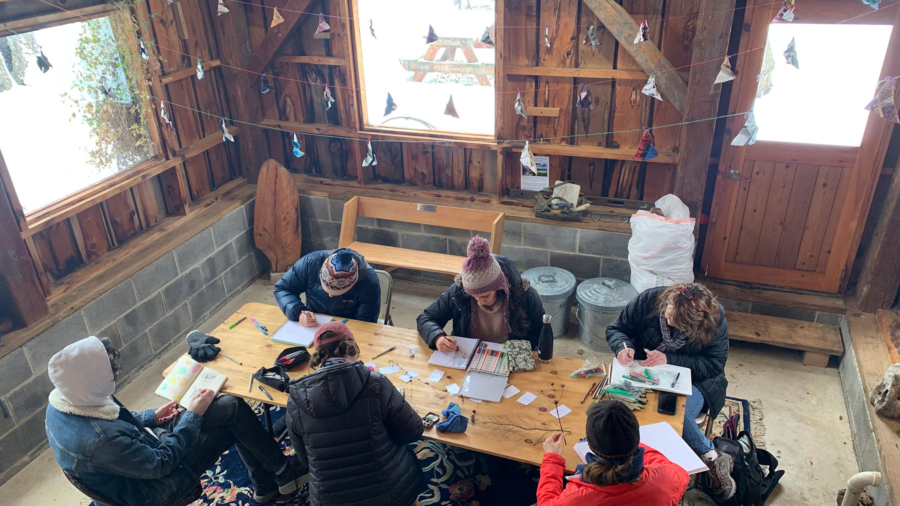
point(409, 259)
point(817, 339)
point(801, 299)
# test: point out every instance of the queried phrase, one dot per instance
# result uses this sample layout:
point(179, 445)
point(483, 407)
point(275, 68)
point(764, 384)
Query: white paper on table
point(298, 335)
point(405, 378)
point(510, 391)
point(683, 386)
point(488, 387)
point(371, 364)
point(389, 370)
point(527, 398)
point(412, 374)
point(663, 438)
point(560, 411)
point(436, 375)
point(458, 359)
point(453, 389)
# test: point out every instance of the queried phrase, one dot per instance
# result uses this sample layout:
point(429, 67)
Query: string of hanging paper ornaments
point(882, 104)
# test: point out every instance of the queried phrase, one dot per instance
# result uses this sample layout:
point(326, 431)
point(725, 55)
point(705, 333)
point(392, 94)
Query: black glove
point(203, 347)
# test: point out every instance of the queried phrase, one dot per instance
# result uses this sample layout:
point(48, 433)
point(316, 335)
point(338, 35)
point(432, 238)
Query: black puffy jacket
point(351, 427)
point(637, 327)
point(455, 304)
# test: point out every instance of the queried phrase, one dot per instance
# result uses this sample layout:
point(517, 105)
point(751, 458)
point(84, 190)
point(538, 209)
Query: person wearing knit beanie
point(339, 272)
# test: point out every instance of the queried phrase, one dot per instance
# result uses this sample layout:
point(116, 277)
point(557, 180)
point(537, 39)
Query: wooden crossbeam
point(188, 72)
point(264, 53)
point(314, 60)
point(623, 27)
point(477, 69)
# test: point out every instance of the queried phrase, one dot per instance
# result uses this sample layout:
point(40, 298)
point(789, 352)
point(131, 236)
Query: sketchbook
point(186, 378)
point(459, 359)
point(295, 334)
point(666, 373)
point(662, 438)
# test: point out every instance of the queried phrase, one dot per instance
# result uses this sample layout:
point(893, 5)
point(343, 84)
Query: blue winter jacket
point(361, 302)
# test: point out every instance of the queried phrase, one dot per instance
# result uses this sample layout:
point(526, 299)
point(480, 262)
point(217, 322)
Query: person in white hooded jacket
point(152, 458)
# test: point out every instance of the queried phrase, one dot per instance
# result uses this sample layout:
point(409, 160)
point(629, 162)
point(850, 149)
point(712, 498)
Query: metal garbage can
point(600, 300)
point(555, 286)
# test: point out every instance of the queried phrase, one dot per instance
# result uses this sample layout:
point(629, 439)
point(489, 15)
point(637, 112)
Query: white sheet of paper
point(298, 335)
point(389, 370)
point(436, 375)
point(582, 449)
point(458, 359)
point(405, 378)
point(412, 374)
point(510, 391)
point(371, 364)
point(683, 386)
point(453, 389)
point(663, 438)
point(527, 398)
point(542, 179)
point(560, 411)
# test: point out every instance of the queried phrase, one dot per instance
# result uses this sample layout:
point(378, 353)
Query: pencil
point(232, 359)
point(590, 390)
point(233, 325)
point(250, 388)
point(392, 348)
point(265, 392)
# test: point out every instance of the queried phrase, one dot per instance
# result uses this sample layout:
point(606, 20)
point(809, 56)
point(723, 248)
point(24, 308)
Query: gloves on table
point(455, 421)
point(203, 346)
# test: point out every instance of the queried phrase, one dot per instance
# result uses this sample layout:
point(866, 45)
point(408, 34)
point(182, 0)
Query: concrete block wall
point(144, 316)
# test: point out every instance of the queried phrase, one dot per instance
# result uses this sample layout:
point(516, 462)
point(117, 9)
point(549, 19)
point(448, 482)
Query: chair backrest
point(386, 282)
point(91, 494)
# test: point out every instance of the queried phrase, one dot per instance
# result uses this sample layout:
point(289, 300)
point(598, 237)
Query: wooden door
point(790, 213)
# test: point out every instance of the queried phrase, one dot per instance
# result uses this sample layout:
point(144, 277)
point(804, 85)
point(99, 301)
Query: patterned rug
point(453, 476)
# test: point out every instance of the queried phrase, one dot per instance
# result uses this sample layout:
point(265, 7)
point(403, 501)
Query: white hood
point(83, 379)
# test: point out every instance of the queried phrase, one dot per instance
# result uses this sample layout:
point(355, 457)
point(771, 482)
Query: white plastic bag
point(661, 249)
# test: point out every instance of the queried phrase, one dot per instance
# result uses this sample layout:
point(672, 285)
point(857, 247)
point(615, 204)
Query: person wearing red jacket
point(625, 472)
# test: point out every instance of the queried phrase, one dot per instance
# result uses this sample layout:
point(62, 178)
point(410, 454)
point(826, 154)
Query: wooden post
point(880, 277)
point(348, 223)
point(21, 294)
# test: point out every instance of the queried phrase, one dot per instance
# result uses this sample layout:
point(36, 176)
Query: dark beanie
point(612, 429)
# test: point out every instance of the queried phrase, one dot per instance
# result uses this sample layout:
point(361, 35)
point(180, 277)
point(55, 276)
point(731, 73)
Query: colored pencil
point(589, 392)
point(392, 348)
point(232, 359)
point(233, 325)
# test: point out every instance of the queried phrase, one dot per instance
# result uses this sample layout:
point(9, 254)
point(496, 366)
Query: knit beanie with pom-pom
point(339, 272)
point(481, 273)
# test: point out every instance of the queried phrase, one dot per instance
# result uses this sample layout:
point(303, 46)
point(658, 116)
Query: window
point(822, 102)
point(83, 120)
point(420, 77)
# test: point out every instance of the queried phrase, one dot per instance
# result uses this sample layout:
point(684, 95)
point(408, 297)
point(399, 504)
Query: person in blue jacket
point(337, 283)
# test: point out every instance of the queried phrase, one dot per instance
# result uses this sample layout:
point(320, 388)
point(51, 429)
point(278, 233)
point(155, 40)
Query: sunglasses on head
point(689, 296)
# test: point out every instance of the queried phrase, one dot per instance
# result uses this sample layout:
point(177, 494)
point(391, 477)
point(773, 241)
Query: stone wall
point(144, 316)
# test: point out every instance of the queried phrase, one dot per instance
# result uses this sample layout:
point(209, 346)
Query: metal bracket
point(613, 217)
point(626, 203)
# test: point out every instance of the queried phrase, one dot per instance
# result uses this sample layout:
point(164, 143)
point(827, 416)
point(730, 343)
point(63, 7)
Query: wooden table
point(494, 428)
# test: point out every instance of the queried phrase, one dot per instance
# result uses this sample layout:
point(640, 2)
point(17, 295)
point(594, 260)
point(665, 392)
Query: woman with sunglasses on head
point(683, 325)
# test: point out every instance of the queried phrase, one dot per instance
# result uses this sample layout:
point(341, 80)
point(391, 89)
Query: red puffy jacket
point(661, 483)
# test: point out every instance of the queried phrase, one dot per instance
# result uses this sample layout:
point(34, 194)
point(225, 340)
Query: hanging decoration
point(296, 144)
point(748, 132)
point(646, 150)
point(527, 160)
point(323, 26)
point(221, 9)
point(486, 37)
point(276, 18)
point(165, 116)
point(790, 54)
point(650, 88)
point(592, 37)
point(170, 2)
point(199, 69)
point(391, 106)
point(725, 73)
point(450, 110)
point(43, 63)
point(264, 87)
point(643, 33)
point(585, 102)
point(547, 36)
point(225, 135)
point(872, 3)
point(787, 11)
point(372, 29)
point(370, 155)
point(520, 107)
point(144, 54)
point(883, 103)
point(431, 37)
point(329, 99)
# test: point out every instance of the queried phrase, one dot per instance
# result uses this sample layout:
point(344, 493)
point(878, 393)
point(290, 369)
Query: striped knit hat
point(481, 273)
point(339, 272)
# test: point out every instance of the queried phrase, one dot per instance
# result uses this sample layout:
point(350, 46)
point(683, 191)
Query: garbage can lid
point(551, 282)
point(605, 294)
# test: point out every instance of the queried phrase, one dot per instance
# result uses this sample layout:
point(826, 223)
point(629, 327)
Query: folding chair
point(386, 282)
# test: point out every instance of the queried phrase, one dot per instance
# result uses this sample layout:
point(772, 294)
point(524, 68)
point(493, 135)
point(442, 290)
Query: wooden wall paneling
point(418, 163)
point(93, 232)
point(149, 203)
point(57, 251)
point(795, 218)
point(450, 167)
point(43, 277)
point(597, 120)
point(520, 31)
point(561, 17)
point(21, 291)
point(588, 173)
point(775, 213)
point(740, 205)
point(390, 162)
point(343, 76)
point(265, 51)
point(512, 169)
point(817, 220)
point(477, 165)
point(259, 18)
point(123, 218)
point(290, 108)
point(754, 212)
point(837, 208)
point(659, 180)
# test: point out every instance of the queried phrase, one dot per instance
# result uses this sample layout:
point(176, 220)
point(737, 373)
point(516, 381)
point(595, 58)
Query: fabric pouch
point(292, 357)
point(274, 377)
point(520, 356)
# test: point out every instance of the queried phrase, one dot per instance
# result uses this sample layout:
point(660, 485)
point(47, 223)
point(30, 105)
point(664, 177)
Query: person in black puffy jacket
point(352, 427)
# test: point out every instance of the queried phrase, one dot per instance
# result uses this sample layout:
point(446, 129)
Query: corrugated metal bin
point(600, 300)
point(555, 286)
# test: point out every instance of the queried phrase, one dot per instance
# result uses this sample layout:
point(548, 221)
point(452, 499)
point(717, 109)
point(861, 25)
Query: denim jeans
point(229, 421)
point(691, 433)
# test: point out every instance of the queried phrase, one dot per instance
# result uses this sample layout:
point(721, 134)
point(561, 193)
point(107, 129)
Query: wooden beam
point(313, 60)
point(593, 152)
point(879, 280)
point(711, 42)
point(21, 294)
point(55, 17)
point(188, 72)
point(264, 53)
point(544, 112)
point(573, 72)
point(623, 27)
point(476, 69)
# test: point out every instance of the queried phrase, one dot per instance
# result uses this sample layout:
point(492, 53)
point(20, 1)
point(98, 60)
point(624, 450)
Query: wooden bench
point(817, 340)
point(425, 214)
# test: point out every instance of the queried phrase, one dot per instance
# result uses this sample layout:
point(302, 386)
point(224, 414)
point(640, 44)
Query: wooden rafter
point(623, 27)
point(264, 53)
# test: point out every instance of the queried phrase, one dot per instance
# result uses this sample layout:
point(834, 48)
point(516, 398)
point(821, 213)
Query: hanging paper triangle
point(790, 54)
point(520, 107)
point(431, 35)
point(872, 3)
point(323, 26)
point(547, 36)
point(450, 110)
point(748, 132)
point(585, 100)
point(43, 63)
point(221, 9)
point(264, 87)
point(725, 73)
point(169, 2)
point(329, 100)
point(592, 37)
point(276, 18)
point(883, 103)
point(527, 160)
point(643, 33)
point(486, 37)
point(225, 135)
point(787, 11)
point(646, 150)
point(372, 29)
point(144, 54)
point(650, 88)
point(370, 155)
point(391, 106)
point(296, 144)
point(199, 69)
point(164, 115)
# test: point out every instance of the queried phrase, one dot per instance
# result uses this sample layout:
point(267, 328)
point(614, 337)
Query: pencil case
point(275, 377)
point(292, 357)
point(520, 356)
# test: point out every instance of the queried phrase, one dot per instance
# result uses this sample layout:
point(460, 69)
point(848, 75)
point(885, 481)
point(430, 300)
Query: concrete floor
point(804, 412)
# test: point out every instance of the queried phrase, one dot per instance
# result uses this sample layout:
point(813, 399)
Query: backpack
point(753, 485)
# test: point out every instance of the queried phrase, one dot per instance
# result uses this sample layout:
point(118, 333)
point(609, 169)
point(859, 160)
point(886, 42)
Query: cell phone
point(667, 403)
point(430, 419)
